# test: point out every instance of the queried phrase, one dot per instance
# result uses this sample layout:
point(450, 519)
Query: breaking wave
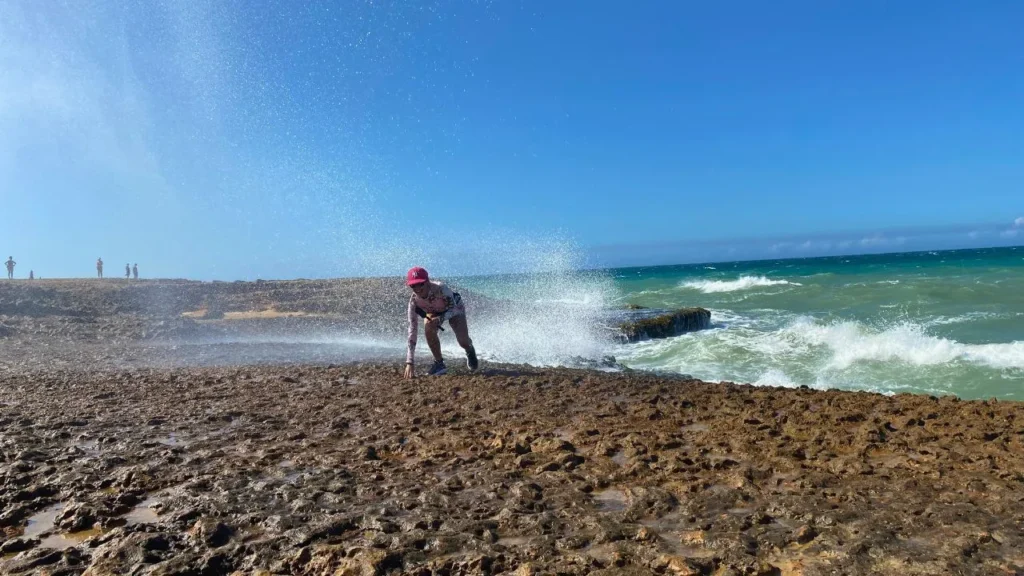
point(741, 283)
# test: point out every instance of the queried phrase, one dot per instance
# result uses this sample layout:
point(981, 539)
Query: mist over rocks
point(155, 298)
point(146, 322)
point(129, 310)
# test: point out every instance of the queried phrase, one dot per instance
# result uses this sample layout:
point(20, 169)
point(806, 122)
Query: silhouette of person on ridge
point(99, 267)
point(10, 267)
point(435, 302)
point(127, 272)
point(31, 275)
point(135, 271)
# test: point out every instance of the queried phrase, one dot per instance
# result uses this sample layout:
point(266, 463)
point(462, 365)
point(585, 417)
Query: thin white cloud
point(1019, 222)
point(973, 235)
point(880, 240)
point(805, 246)
point(808, 245)
point(1009, 233)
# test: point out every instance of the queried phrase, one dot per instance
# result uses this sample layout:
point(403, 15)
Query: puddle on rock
point(172, 439)
point(610, 500)
point(42, 521)
point(696, 427)
point(90, 447)
point(671, 529)
point(619, 458)
point(286, 464)
point(509, 541)
point(143, 513)
point(673, 542)
point(69, 539)
point(562, 434)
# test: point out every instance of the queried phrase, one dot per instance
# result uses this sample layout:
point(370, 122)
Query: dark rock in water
point(635, 307)
point(666, 325)
point(604, 362)
point(75, 518)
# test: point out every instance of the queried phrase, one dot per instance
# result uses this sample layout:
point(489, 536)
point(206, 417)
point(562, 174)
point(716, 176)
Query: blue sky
point(268, 139)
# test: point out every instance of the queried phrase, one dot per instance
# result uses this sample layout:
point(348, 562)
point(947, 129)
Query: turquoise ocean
point(945, 322)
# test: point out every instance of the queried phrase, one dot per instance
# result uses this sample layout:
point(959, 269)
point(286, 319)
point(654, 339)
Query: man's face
point(420, 289)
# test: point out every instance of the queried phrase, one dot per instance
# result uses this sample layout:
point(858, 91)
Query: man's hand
point(409, 372)
point(433, 321)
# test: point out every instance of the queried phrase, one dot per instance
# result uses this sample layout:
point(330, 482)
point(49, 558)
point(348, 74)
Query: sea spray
point(548, 313)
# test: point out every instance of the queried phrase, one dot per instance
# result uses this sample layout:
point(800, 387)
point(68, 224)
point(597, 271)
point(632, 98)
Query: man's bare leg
point(461, 329)
point(433, 341)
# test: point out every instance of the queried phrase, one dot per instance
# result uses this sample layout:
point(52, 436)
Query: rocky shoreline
point(351, 470)
point(111, 464)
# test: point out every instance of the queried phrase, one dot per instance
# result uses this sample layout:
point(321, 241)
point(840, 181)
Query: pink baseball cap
point(416, 276)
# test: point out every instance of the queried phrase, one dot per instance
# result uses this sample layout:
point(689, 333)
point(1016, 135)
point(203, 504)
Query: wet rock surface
point(665, 325)
point(514, 470)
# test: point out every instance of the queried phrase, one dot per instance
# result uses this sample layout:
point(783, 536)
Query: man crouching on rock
point(436, 303)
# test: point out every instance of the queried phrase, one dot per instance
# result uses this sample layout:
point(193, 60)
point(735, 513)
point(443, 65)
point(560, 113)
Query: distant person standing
point(31, 275)
point(10, 267)
point(99, 267)
point(135, 271)
point(127, 272)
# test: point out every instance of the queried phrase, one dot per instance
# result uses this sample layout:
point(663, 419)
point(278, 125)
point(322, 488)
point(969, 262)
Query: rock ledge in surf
point(666, 325)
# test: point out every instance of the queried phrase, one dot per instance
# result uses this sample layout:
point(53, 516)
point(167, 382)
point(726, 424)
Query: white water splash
point(907, 342)
point(549, 316)
point(741, 283)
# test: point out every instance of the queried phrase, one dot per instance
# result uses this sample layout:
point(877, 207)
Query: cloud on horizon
point(882, 240)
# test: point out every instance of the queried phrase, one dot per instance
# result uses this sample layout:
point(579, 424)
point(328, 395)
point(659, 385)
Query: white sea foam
point(906, 342)
point(775, 377)
point(741, 283)
point(965, 318)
